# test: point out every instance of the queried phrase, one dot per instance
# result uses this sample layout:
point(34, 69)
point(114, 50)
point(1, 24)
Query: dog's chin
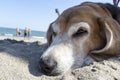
point(53, 73)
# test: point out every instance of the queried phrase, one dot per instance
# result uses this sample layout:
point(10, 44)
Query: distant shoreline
point(12, 35)
point(12, 32)
point(31, 39)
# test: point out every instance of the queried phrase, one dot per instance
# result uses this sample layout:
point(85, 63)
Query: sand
point(19, 60)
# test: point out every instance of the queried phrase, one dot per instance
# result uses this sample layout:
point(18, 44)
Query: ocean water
point(12, 32)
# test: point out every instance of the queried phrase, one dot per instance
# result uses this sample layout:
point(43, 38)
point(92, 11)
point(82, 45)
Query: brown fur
point(96, 15)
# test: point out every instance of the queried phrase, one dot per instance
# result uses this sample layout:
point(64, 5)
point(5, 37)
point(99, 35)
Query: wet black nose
point(47, 66)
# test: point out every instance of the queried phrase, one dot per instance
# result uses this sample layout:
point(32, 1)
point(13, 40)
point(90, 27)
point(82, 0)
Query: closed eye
point(80, 32)
point(54, 34)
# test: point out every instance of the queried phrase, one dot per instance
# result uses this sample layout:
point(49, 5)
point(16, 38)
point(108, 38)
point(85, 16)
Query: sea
point(12, 32)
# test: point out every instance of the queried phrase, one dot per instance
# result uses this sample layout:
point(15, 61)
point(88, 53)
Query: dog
point(79, 35)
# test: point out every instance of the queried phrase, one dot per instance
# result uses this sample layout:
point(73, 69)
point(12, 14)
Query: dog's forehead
point(87, 12)
point(73, 16)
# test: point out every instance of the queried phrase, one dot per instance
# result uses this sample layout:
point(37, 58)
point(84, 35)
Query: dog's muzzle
point(47, 66)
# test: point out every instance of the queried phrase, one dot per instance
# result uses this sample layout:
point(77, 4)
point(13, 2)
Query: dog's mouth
point(48, 73)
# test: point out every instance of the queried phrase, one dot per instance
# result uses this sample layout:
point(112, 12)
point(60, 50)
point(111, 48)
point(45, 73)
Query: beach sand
point(19, 60)
point(19, 57)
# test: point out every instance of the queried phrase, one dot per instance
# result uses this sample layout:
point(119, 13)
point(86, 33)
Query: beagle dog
point(79, 35)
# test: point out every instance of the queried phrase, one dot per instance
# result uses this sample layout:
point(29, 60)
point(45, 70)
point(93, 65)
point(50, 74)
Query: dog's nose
point(47, 66)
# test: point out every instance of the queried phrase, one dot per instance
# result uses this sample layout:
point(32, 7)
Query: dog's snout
point(47, 66)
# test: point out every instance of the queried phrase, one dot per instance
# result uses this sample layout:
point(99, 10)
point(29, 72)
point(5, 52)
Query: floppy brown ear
point(112, 33)
point(49, 34)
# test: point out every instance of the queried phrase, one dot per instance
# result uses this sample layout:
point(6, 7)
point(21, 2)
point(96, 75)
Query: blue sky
point(35, 14)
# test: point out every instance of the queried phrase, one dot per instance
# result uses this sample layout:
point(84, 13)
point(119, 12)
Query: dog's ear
point(49, 34)
point(111, 29)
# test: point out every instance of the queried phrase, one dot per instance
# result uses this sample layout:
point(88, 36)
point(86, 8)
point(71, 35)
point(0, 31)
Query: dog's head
point(79, 31)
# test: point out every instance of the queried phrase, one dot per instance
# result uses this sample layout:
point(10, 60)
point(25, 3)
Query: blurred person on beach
point(25, 33)
point(29, 32)
point(18, 32)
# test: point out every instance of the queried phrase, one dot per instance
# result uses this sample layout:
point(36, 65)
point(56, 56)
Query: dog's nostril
point(47, 66)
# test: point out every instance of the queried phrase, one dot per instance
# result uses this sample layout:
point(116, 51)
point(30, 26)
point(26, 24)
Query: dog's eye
point(80, 32)
point(54, 34)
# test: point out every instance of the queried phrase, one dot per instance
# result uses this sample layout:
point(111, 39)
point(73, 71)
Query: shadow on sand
point(29, 52)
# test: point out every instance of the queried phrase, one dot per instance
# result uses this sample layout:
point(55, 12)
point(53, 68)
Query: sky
point(34, 14)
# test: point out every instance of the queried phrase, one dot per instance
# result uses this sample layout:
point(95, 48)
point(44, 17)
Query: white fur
point(109, 37)
point(74, 28)
point(61, 54)
point(61, 51)
point(55, 28)
point(80, 52)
